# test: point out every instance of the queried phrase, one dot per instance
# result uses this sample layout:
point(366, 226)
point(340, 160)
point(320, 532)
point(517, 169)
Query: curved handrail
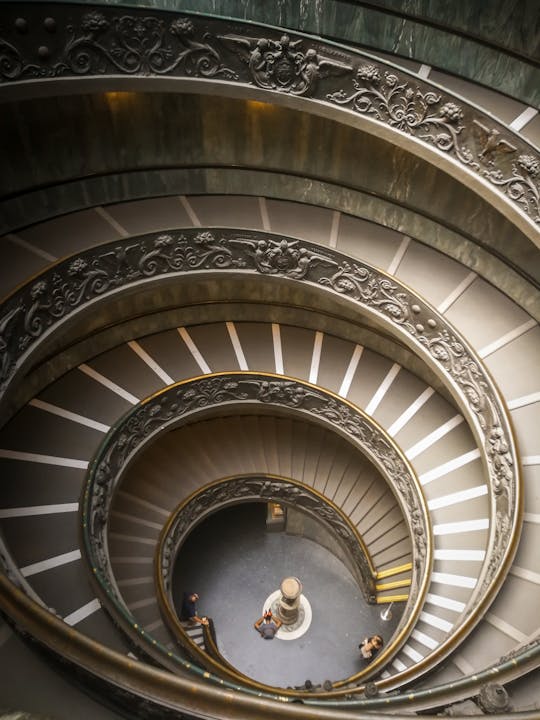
point(176, 404)
point(211, 646)
point(246, 488)
point(36, 310)
point(267, 488)
point(125, 681)
point(210, 639)
point(414, 112)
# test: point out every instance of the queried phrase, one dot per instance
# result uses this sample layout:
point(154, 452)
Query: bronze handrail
point(126, 680)
point(268, 488)
point(166, 408)
point(168, 546)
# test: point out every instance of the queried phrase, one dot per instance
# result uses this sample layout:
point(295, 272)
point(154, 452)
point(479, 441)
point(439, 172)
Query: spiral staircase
point(308, 258)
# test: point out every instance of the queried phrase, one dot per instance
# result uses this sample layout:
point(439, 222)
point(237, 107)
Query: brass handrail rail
point(32, 313)
point(265, 487)
point(169, 544)
point(165, 410)
point(124, 678)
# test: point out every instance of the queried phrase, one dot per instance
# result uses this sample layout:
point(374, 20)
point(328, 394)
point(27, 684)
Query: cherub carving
point(282, 257)
point(282, 64)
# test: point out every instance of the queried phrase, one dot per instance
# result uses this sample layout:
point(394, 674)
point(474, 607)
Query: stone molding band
point(176, 404)
point(40, 307)
point(83, 43)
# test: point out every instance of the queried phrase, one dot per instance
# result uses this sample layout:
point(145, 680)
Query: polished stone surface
point(31, 684)
point(233, 563)
point(493, 42)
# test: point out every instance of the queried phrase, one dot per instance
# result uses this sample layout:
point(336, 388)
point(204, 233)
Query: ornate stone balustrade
point(77, 42)
point(40, 309)
point(182, 402)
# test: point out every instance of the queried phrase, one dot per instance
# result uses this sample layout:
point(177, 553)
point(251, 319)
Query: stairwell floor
point(233, 563)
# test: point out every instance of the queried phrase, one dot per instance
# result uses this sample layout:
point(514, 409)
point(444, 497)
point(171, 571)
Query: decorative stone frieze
point(34, 311)
point(78, 42)
point(266, 489)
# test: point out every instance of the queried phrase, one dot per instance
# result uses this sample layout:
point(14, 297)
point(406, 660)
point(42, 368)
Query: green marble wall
point(54, 140)
point(512, 24)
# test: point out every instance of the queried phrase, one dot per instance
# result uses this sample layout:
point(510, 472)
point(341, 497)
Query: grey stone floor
point(234, 564)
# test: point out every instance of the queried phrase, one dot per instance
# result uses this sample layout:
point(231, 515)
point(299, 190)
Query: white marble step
point(509, 344)
point(136, 371)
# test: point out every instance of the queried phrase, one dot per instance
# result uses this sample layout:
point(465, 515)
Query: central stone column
point(291, 607)
point(289, 602)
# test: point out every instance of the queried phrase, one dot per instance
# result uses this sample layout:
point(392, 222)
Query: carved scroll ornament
point(266, 489)
point(110, 41)
point(69, 286)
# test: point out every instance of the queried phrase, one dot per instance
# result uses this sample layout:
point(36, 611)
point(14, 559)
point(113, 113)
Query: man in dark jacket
point(189, 609)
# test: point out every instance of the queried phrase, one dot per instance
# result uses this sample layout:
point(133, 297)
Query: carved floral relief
point(82, 42)
point(78, 281)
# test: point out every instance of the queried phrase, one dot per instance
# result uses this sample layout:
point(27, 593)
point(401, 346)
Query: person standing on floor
point(369, 647)
point(267, 625)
